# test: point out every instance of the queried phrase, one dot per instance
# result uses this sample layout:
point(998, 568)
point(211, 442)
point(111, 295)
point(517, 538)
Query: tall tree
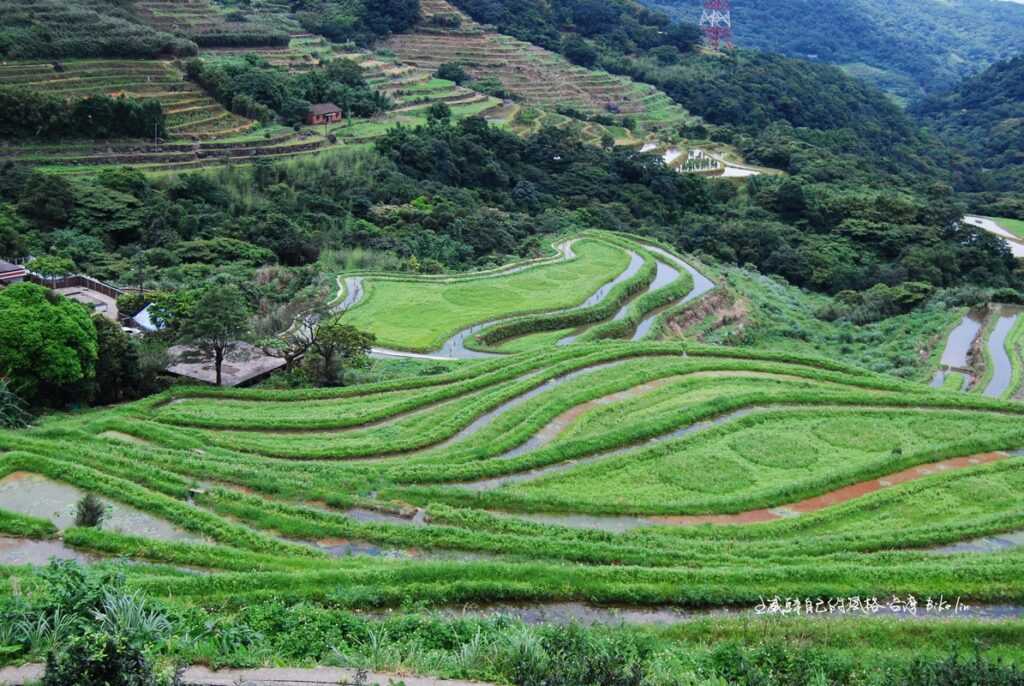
point(339, 346)
point(48, 346)
point(219, 321)
point(118, 372)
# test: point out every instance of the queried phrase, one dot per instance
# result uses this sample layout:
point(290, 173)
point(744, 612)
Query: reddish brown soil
point(16, 476)
point(722, 305)
point(559, 424)
point(836, 497)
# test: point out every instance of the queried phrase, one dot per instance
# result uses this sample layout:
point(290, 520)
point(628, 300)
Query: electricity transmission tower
point(716, 21)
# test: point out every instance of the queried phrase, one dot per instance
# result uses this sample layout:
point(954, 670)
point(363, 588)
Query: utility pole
point(716, 21)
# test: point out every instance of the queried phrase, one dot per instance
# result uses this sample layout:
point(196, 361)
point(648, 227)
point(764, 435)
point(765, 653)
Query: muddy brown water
point(37, 496)
point(559, 424)
point(485, 420)
point(620, 524)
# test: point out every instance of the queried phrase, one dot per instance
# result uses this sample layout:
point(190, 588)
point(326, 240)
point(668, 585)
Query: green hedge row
point(565, 319)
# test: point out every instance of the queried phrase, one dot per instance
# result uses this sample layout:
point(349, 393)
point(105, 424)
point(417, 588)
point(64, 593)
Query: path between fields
point(286, 676)
point(622, 523)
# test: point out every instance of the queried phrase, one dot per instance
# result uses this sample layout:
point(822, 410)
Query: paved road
point(990, 225)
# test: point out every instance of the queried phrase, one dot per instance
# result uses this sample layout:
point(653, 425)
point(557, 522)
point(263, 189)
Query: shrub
point(453, 71)
point(90, 511)
point(48, 345)
point(25, 114)
point(446, 20)
point(98, 659)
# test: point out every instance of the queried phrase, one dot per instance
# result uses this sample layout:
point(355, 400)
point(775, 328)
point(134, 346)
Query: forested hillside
point(908, 47)
point(866, 199)
point(983, 118)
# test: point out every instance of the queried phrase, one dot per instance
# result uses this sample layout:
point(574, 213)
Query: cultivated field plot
point(201, 131)
point(984, 353)
point(596, 285)
point(190, 112)
point(536, 76)
point(635, 474)
point(304, 52)
point(643, 474)
point(210, 26)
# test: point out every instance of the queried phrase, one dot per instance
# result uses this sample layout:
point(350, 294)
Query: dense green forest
point(617, 24)
point(905, 46)
point(782, 112)
point(456, 196)
point(983, 119)
point(33, 115)
point(360, 20)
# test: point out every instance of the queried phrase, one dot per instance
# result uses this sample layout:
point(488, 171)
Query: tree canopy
point(48, 346)
point(982, 119)
point(905, 46)
point(218, 320)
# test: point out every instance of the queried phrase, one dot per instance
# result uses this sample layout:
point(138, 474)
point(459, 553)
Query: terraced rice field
point(190, 112)
point(646, 475)
point(202, 21)
point(655, 477)
point(596, 285)
point(536, 76)
point(984, 354)
point(304, 52)
point(201, 132)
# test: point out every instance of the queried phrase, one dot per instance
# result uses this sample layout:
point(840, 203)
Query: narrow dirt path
point(285, 676)
point(619, 524)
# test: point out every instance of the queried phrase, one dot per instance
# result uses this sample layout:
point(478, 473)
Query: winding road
point(1016, 244)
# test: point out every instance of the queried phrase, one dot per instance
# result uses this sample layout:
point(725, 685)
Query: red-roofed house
point(326, 113)
point(11, 273)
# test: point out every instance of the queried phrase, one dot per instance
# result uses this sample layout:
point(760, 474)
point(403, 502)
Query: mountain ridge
point(909, 47)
